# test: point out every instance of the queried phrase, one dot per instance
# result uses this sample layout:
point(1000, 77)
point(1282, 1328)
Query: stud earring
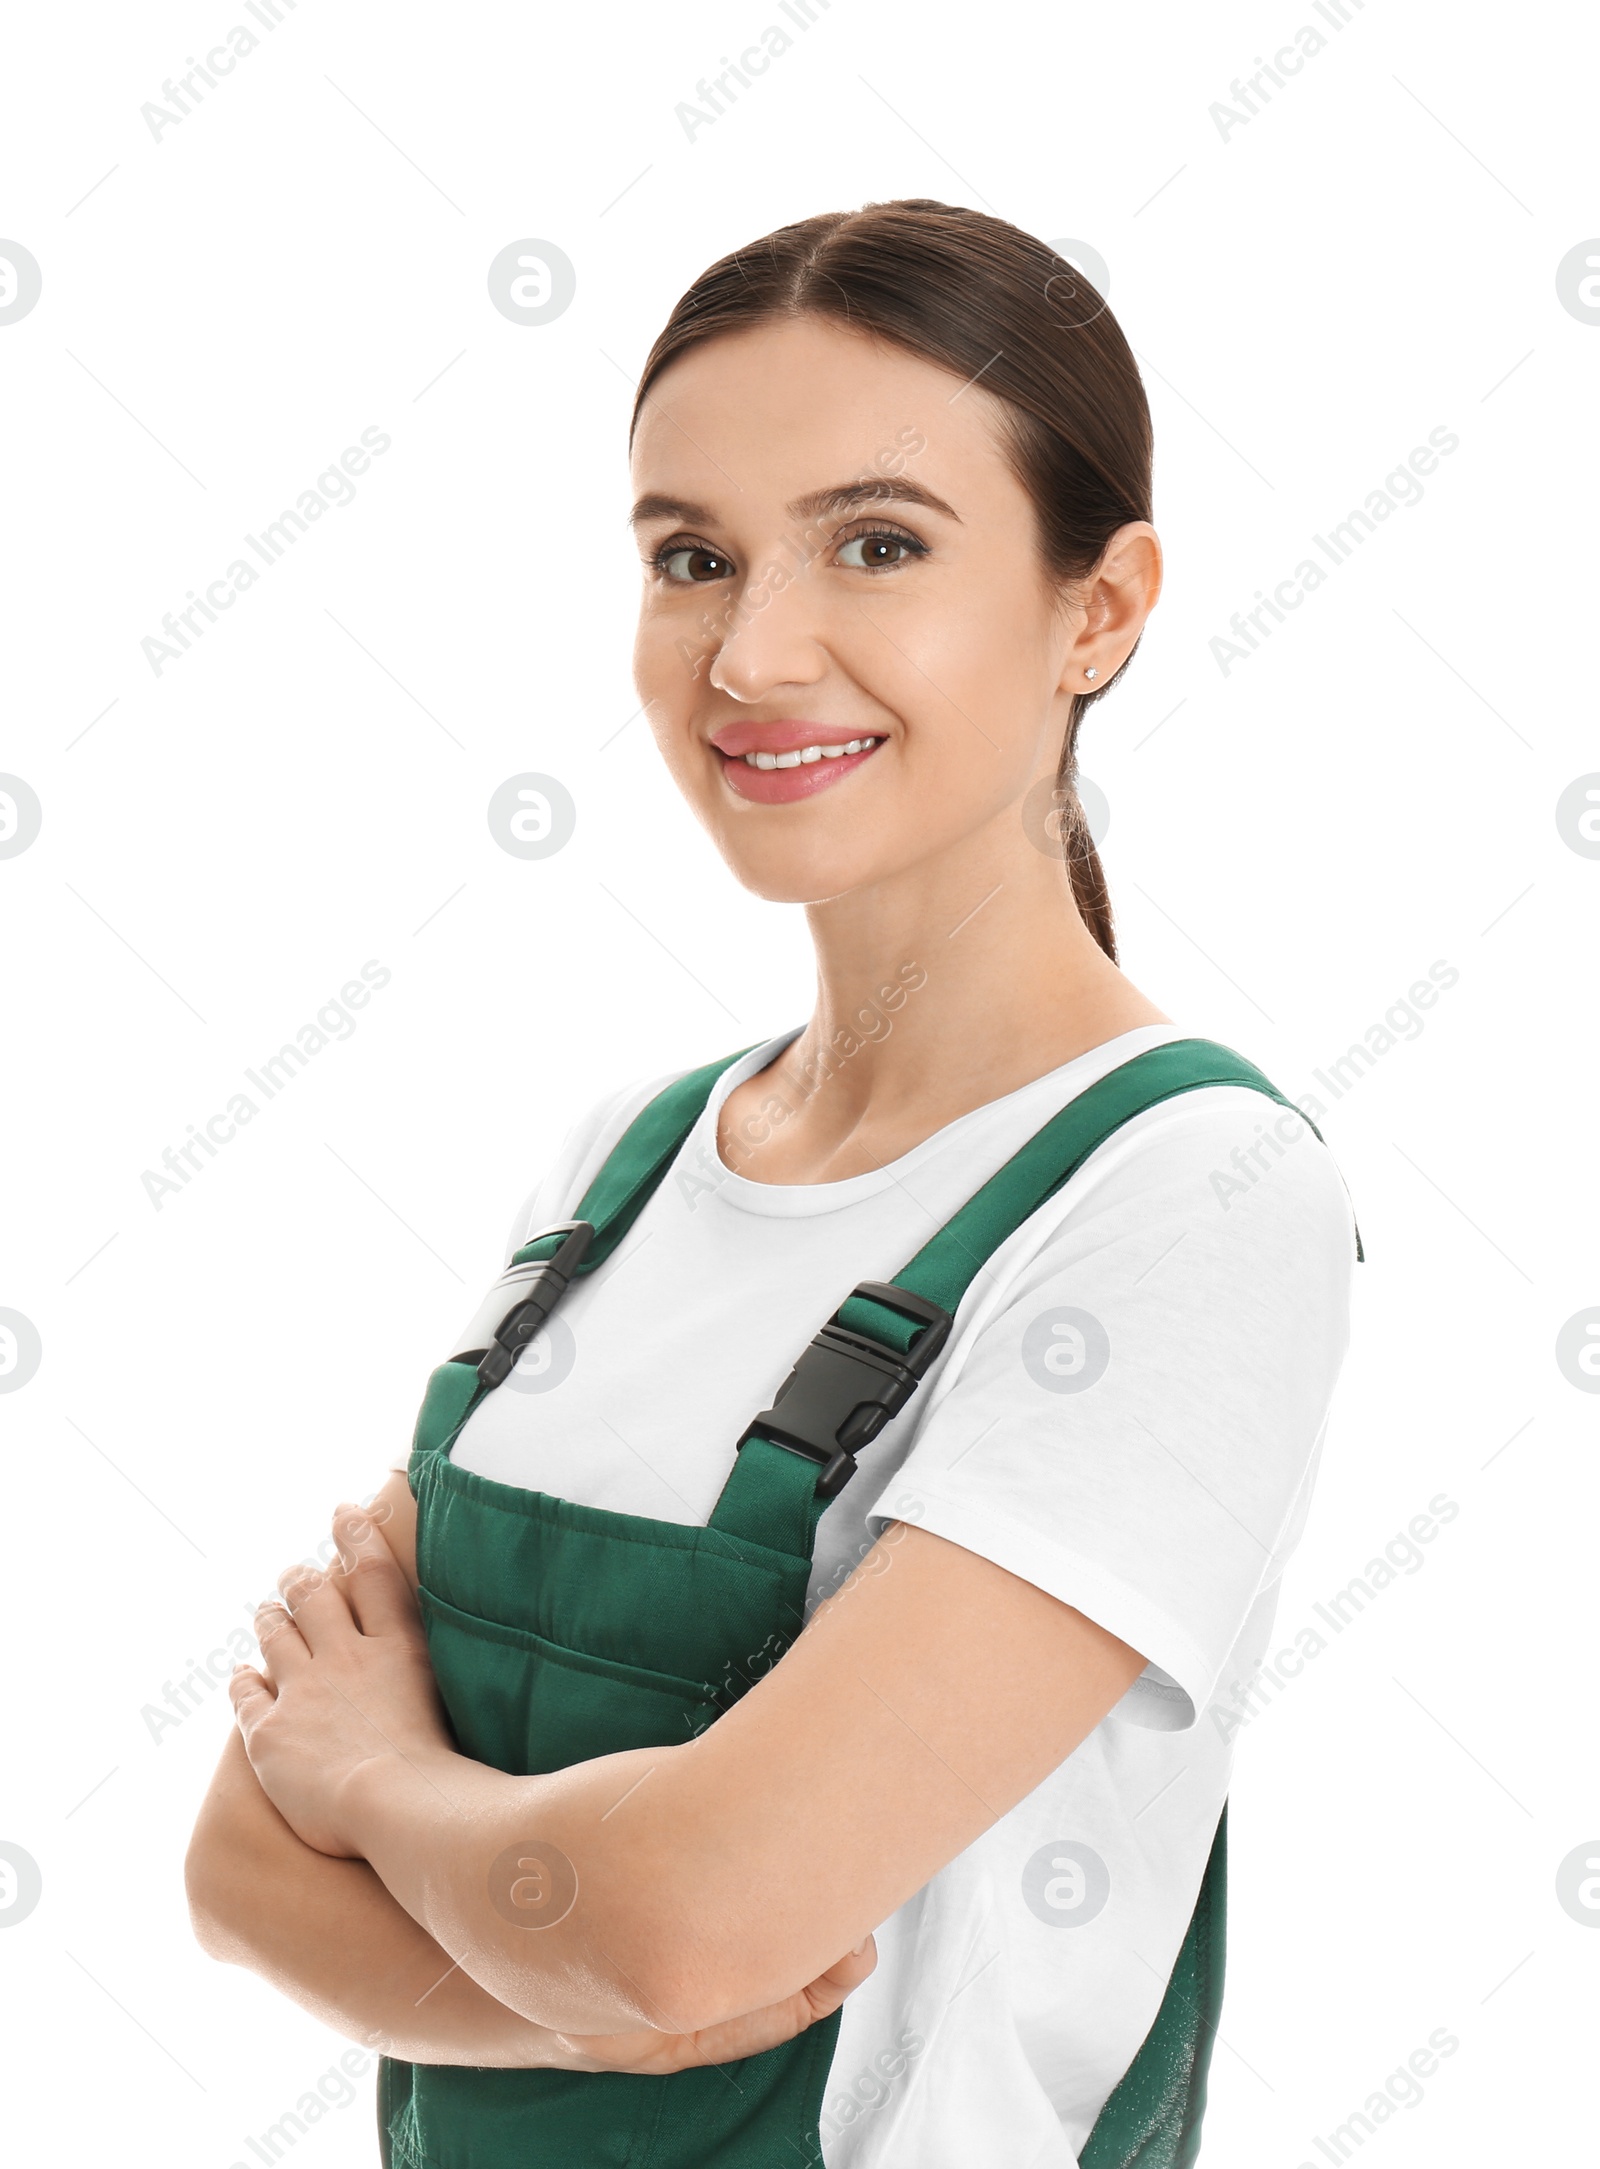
point(1091, 673)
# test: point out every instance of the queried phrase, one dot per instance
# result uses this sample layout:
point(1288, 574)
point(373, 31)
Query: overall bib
point(561, 1632)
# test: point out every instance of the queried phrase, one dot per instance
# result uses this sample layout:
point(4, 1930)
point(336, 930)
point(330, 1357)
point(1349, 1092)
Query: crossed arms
point(728, 1887)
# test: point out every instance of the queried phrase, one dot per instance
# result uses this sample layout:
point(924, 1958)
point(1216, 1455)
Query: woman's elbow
point(215, 1874)
point(681, 1977)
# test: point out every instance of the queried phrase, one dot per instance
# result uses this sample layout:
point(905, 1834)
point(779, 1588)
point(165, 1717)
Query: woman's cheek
point(671, 656)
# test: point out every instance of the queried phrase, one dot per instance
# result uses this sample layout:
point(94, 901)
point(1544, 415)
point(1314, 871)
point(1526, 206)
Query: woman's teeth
point(806, 754)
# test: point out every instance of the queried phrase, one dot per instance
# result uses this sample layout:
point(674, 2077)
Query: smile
point(807, 754)
point(775, 779)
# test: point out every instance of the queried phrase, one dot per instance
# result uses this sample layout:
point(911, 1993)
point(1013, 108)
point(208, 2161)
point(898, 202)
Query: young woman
point(544, 1792)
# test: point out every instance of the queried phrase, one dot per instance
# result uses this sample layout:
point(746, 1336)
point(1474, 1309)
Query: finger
point(283, 1650)
point(316, 1602)
point(647, 2052)
point(250, 1694)
point(376, 1590)
point(829, 1989)
point(750, 2035)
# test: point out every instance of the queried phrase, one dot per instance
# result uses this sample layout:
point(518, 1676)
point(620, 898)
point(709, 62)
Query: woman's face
point(836, 550)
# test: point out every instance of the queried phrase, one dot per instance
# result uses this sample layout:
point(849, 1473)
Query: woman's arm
point(675, 1887)
point(327, 1934)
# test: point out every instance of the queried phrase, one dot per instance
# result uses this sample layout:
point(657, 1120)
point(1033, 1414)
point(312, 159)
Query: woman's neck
point(935, 994)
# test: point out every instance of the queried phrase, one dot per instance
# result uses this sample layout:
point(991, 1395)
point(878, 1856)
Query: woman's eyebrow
point(870, 490)
point(657, 507)
point(816, 504)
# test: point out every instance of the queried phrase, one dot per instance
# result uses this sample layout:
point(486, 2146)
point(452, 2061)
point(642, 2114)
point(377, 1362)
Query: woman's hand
point(346, 1680)
point(655, 2054)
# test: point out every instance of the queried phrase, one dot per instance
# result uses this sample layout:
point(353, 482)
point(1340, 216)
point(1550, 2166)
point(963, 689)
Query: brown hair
point(980, 298)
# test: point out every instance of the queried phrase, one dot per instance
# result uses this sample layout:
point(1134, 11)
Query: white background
point(1373, 255)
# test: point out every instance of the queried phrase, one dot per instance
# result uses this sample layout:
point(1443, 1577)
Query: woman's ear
point(1112, 605)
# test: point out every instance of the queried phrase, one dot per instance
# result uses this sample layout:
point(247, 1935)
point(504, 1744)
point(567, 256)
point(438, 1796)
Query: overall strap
point(945, 1267)
point(636, 1163)
point(774, 1494)
point(609, 1207)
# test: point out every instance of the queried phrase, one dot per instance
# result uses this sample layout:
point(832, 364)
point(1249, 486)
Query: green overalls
point(561, 1632)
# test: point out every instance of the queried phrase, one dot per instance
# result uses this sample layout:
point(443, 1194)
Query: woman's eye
point(691, 562)
point(877, 552)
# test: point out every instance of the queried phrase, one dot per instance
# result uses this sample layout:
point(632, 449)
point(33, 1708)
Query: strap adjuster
point(538, 1287)
point(845, 1386)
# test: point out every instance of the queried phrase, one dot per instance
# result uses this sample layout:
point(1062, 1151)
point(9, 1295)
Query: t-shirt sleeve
point(584, 1151)
point(1131, 1409)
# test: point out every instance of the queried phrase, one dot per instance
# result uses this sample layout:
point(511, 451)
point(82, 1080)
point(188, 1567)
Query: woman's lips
point(778, 786)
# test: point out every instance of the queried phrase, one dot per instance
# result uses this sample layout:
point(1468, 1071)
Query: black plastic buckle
point(536, 1298)
point(845, 1387)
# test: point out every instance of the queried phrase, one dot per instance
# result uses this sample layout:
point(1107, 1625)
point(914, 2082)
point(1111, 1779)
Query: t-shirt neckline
point(796, 1201)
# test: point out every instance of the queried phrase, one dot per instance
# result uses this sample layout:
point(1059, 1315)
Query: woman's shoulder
point(584, 1150)
point(1237, 1192)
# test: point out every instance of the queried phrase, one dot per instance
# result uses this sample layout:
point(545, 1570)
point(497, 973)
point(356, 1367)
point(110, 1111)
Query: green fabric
point(540, 1616)
point(647, 1148)
point(944, 1267)
point(1153, 2114)
point(561, 1632)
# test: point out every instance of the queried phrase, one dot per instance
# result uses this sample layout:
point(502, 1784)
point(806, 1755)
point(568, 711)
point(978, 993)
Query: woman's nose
point(770, 638)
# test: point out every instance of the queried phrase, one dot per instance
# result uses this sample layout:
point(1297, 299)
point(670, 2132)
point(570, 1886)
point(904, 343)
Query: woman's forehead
point(788, 410)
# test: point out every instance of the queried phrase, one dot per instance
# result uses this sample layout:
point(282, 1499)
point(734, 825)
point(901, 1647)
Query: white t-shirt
point(1128, 1413)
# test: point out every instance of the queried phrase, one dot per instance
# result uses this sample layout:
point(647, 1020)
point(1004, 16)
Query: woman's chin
point(808, 879)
